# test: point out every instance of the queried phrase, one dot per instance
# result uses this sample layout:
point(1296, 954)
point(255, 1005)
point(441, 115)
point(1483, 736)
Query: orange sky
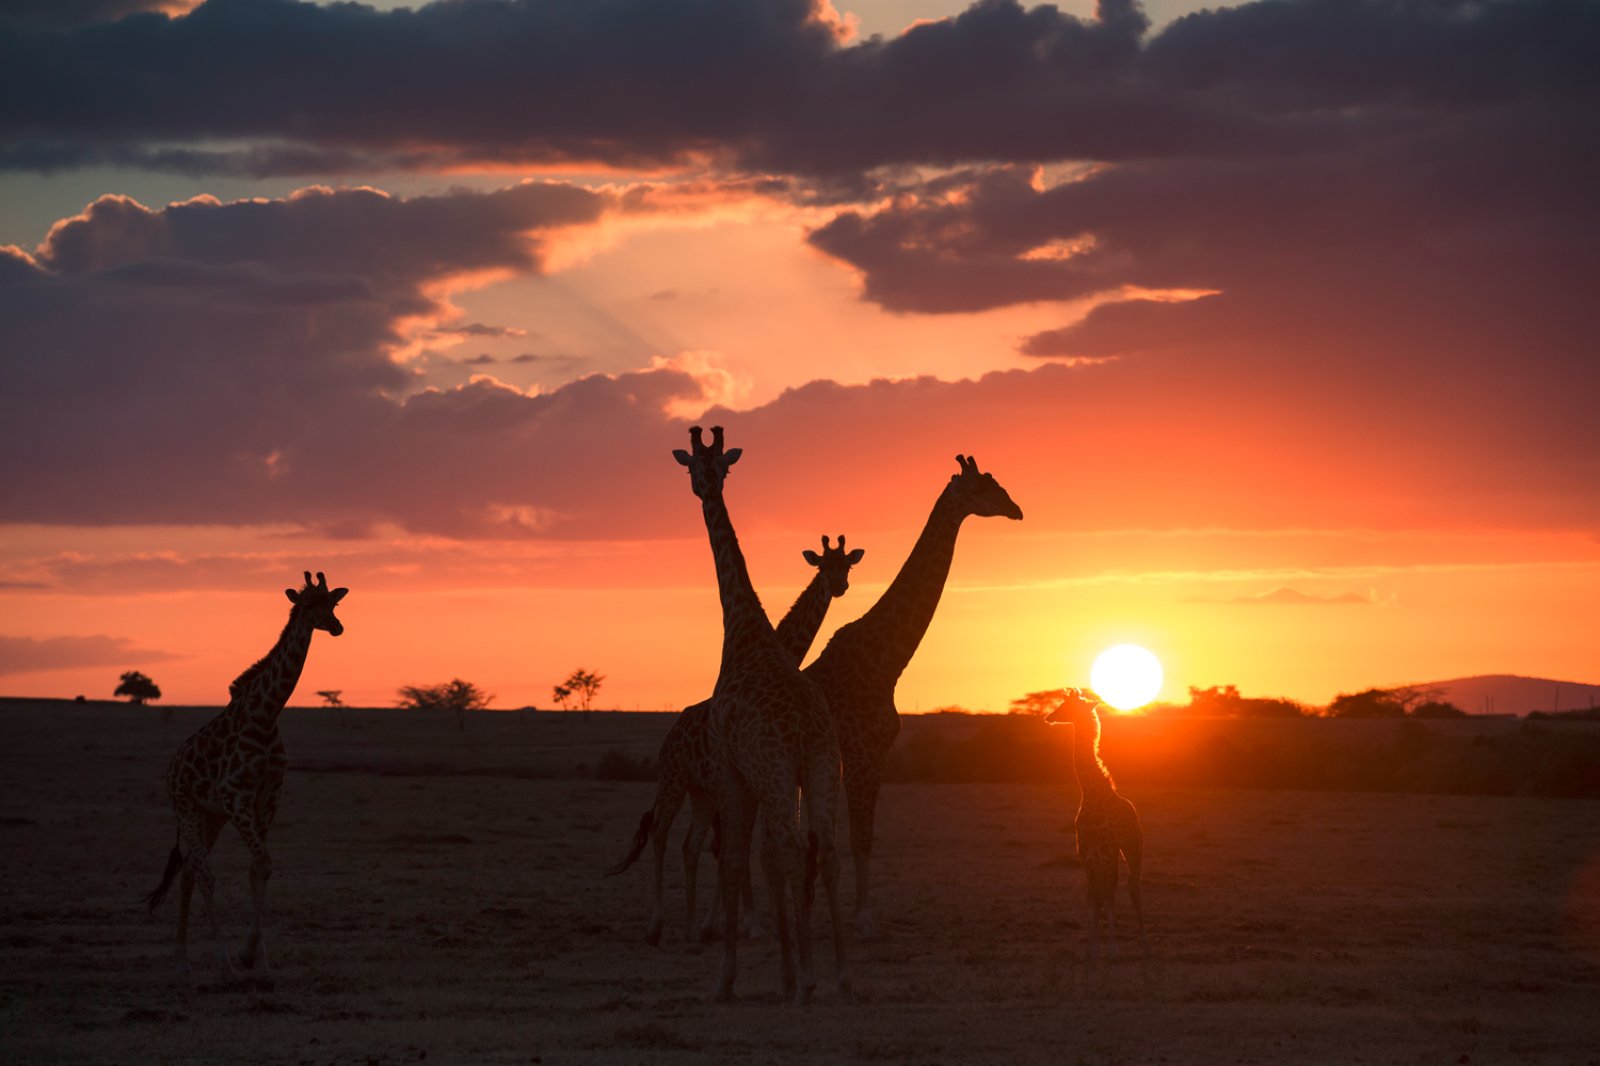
point(1292, 381)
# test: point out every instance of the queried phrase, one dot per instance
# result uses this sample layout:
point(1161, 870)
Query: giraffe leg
point(693, 844)
point(1133, 851)
point(861, 795)
point(669, 800)
point(254, 835)
point(780, 862)
point(197, 831)
point(732, 866)
point(821, 797)
point(197, 872)
point(750, 926)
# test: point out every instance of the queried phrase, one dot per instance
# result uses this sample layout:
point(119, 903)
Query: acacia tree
point(137, 687)
point(561, 694)
point(1038, 703)
point(455, 696)
point(333, 697)
point(584, 685)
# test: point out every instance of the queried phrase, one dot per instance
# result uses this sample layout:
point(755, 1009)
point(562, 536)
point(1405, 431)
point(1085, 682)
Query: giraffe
point(774, 735)
point(687, 764)
point(231, 769)
point(1107, 824)
point(860, 666)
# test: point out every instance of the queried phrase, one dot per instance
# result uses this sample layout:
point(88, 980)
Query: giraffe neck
point(897, 622)
point(1094, 780)
point(744, 621)
point(263, 689)
point(799, 627)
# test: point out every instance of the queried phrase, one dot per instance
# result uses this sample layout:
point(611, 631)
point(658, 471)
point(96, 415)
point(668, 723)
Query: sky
point(1274, 318)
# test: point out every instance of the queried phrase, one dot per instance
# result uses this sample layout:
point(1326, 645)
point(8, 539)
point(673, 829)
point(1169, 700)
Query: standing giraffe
point(687, 763)
point(774, 735)
point(231, 769)
point(859, 668)
point(1107, 825)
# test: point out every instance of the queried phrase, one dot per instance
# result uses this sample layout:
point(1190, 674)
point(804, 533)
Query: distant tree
point(560, 695)
point(455, 696)
point(332, 697)
point(1038, 703)
point(137, 688)
point(1373, 703)
point(582, 685)
point(1218, 701)
point(1437, 709)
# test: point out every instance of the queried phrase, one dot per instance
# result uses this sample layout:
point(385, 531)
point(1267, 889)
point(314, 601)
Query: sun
point(1126, 676)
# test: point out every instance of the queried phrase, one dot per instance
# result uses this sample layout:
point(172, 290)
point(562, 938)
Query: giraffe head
point(835, 564)
point(980, 494)
point(708, 465)
point(1078, 706)
point(315, 603)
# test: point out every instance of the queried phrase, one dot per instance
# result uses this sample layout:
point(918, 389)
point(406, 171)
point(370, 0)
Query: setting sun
point(1126, 676)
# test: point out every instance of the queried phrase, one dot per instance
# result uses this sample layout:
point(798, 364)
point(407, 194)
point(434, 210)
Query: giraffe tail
point(174, 864)
point(641, 837)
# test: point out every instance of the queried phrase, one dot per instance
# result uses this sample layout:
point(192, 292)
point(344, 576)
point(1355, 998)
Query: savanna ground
point(438, 897)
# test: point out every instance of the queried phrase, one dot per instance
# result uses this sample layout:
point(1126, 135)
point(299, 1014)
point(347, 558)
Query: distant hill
point(1510, 694)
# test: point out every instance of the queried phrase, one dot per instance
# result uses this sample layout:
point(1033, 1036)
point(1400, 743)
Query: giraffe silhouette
point(231, 769)
point(861, 664)
point(1107, 825)
point(775, 735)
point(686, 765)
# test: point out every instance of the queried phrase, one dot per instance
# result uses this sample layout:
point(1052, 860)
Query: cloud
point(84, 12)
point(769, 85)
point(30, 655)
point(1291, 597)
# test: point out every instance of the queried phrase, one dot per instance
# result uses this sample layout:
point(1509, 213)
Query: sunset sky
point(1276, 319)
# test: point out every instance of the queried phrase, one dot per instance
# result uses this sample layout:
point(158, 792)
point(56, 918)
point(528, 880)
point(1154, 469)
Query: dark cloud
point(479, 329)
point(636, 83)
point(29, 655)
point(58, 13)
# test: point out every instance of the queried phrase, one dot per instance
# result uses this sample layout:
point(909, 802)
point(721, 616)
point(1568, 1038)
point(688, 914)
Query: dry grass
point(455, 912)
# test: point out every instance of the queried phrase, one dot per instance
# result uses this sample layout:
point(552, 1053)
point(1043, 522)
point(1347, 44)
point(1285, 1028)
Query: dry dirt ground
point(449, 910)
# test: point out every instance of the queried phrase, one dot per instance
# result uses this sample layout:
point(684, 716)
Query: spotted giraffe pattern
point(687, 764)
point(860, 666)
point(774, 734)
point(1107, 824)
point(231, 770)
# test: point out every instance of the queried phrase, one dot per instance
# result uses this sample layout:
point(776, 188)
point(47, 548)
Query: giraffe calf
point(1107, 824)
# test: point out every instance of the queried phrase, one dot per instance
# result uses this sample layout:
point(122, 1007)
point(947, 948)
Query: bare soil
point(438, 896)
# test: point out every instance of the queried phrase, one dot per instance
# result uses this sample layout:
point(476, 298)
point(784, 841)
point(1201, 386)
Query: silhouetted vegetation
point(1409, 754)
point(1404, 702)
point(1224, 701)
point(455, 696)
point(582, 686)
point(137, 687)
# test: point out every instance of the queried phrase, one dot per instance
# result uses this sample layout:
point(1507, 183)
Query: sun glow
point(1126, 676)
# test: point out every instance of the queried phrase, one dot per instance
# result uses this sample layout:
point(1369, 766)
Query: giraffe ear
point(731, 456)
point(855, 557)
point(681, 455)
point(337, 594)
point(294, 597)
point(812, 557)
